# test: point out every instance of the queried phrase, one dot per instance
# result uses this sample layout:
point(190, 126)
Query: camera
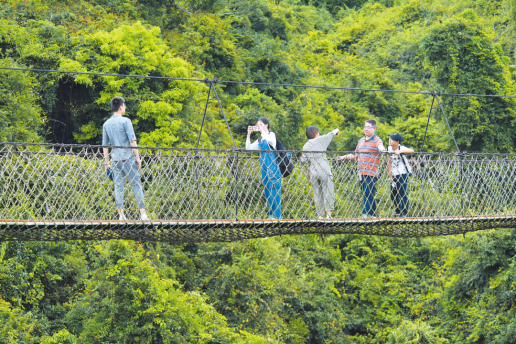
point(393, 184)
point(256, 128)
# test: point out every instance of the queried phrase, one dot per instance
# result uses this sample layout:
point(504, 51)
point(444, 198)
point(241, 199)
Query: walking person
point(118, 131)
point(271, 174)
point(321, 177)
point(368, 158)
point(399, 172)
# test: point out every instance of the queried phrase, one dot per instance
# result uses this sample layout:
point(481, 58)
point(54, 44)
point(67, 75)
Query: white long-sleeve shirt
point(270, 137)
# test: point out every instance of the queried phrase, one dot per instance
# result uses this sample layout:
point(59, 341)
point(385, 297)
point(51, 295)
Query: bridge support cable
point(251, 83)
point(235, 162)
point(219, 103)
point(422, 150)
point(460, 171)
point(197, 146)
point(447, 123)
point(222, 111)
point(435, 96)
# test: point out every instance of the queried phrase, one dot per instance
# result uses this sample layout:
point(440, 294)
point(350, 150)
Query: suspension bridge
point(61, 192)
point(53, 192)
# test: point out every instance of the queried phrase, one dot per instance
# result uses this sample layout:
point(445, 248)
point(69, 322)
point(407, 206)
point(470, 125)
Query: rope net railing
point(62, 192)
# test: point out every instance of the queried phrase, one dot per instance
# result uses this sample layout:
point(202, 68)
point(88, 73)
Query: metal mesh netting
point(62, 192)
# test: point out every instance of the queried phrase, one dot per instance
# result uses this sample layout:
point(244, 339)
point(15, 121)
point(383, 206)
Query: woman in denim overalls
point(271, 174)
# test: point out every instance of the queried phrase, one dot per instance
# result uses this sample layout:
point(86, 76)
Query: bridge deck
point(213, 230)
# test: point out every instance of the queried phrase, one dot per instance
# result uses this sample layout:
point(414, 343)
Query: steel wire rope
point(206, 80)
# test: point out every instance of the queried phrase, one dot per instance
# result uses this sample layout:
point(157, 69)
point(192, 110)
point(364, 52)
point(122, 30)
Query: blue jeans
point(368, 185)
point(127, 169)
point(271, 179)
point(272, 189)
point(399, 194)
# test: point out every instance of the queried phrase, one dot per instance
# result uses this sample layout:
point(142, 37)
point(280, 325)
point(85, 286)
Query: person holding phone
point(399, 170)
point(271, 174)
point(320, 175)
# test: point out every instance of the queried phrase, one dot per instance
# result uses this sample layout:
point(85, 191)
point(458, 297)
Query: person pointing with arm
point(320, 175)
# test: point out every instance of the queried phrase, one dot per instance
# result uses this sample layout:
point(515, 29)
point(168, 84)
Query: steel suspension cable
point(206, 80)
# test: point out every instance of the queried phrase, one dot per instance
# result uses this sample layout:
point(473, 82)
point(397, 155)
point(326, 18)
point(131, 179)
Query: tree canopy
point(306, 289)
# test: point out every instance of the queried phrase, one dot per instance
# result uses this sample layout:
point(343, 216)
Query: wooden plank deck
point(212, 230)
point(218, 223)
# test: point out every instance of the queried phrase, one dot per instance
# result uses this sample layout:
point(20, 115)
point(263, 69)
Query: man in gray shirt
point(118, 131)
point(320, 171)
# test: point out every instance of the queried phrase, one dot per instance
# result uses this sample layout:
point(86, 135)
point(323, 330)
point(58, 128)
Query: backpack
point(284, 159)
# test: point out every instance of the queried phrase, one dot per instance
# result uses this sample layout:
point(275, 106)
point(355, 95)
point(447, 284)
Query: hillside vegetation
point(304, 289)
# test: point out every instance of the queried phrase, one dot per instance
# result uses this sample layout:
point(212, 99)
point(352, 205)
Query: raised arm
point(325, 140)
point(248, 144)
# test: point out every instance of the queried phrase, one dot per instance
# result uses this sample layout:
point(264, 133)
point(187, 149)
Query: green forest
point(290, 289)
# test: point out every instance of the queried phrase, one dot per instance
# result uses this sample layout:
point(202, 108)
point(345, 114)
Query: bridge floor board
point(223, 230)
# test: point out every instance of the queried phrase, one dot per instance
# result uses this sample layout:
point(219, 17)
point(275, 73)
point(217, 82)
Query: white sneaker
point(321, 218)
point(365, 216)
point(329, 217)
point(144, 217)
point(122, 218)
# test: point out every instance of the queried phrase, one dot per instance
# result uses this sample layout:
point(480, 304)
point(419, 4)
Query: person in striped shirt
point(368, 158)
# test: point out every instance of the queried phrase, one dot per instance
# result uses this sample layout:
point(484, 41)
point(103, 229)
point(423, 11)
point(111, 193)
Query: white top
point(270, 137)
point(397, 166)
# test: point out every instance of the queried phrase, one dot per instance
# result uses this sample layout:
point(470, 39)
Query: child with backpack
point(321, 177)
point(399, 171)
point(271, 173)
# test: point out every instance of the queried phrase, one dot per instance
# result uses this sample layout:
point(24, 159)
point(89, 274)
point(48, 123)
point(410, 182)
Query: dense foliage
point(338, 289)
